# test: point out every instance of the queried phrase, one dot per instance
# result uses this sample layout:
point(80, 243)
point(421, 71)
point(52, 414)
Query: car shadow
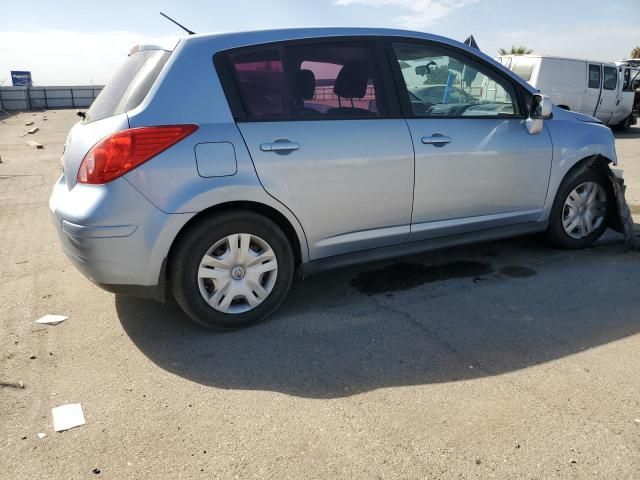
point(633, 132)
point(453, 315)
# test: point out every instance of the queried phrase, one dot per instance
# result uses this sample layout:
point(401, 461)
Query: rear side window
point(260, 79)
point(594, 76)
point(610, 78)
point(128, 87)
point(303, 81)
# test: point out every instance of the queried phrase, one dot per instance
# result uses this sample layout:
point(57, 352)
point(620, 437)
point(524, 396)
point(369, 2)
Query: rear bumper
point(115, 236)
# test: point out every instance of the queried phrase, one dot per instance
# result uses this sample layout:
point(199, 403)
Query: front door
point(476, 165)
point(323, 143)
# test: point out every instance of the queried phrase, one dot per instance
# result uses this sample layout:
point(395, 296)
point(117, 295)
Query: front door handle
point(436, 139)
point(280, 146)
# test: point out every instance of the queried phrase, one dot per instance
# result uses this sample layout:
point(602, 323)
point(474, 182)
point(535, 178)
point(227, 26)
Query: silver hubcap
point(237, 273)
point(584, 210)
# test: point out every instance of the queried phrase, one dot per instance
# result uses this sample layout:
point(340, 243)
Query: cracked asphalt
point(500, 360)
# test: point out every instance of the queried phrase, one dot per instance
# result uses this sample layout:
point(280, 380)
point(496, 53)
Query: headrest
point(352, 80)
point(305, 84)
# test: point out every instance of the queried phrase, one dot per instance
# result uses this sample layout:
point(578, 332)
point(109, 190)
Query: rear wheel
point(624, 125)
point(231, 270)
point(581, 210)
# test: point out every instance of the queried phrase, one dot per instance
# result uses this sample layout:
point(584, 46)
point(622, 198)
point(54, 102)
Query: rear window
point(128, 87)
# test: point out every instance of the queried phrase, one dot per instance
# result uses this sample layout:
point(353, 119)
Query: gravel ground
point(502, 360)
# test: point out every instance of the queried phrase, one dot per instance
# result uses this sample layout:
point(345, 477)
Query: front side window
point(440, 85)
point(303, 81)
point(594, 76)
point(610, 78)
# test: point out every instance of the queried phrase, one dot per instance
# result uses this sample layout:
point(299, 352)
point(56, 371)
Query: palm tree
point(635, 53)
point(515, 51)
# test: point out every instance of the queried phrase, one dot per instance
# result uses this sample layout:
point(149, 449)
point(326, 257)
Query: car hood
point(563, 114)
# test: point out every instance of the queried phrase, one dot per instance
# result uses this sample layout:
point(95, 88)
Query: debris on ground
point(67, 416)
point(95, 471)
point(42, 435)
point(32, 357)
point(19, 384)
point(28, 124)
point(33, 130)
point(51, 319)
point(35, 144)
point(573, 460)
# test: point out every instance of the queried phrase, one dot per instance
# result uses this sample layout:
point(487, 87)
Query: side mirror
point(540, 111)
point(541, 107)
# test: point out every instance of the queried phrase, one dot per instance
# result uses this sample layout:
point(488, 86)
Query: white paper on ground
point(51, 319)
point(42, 435)
point(67, 416)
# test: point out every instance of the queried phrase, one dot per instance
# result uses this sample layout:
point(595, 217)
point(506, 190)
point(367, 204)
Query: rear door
point(609, 94)
point(327, 140)
point(477, 167)
point(108, 113)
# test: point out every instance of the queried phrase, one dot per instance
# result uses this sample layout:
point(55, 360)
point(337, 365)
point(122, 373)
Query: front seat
point(351, 83)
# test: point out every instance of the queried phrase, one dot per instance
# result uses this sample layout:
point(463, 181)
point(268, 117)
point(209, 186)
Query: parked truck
point(605, 90)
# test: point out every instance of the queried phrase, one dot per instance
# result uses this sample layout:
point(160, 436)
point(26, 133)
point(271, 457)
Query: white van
point(601, 89)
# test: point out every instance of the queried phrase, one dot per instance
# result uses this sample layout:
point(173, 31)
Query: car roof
point(229, 40)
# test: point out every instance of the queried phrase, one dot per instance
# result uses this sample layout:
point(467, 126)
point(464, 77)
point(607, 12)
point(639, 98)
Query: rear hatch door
point(108, 113)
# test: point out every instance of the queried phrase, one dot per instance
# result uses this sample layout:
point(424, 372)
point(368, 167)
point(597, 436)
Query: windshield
point(128, 87)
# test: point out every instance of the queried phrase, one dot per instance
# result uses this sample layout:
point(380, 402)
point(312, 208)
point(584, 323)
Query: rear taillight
point(121, 152)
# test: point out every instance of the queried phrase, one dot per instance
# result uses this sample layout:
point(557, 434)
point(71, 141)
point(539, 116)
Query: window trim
point(229, 80)
point(520, 98)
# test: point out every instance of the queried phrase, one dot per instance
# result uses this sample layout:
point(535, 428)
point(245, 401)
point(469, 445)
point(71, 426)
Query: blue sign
point(21, 79)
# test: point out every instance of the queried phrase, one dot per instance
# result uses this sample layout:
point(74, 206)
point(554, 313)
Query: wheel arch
point(600, 164)
point(297, 243)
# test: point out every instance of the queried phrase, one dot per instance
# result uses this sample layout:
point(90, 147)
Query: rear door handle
point(436, 139)
point(280, 146)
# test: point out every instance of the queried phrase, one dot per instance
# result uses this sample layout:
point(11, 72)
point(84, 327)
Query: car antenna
point(190, 32)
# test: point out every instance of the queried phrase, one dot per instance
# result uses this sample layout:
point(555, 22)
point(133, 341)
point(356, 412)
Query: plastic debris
point(33, 130)
point(42, 435)
point(626, 220)
point(67, 416)
point(51, 319)
point(35, 144)
point(28, 124)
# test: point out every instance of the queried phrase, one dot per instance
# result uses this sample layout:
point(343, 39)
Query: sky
point(69, 42)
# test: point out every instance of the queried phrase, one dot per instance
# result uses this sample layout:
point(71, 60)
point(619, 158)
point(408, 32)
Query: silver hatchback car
point(222, 170)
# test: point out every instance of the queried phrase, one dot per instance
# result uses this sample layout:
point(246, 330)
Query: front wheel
point(231, 270)
point(581, 210)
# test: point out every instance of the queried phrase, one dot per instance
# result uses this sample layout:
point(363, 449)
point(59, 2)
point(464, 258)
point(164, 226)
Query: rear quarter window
point(129, 86)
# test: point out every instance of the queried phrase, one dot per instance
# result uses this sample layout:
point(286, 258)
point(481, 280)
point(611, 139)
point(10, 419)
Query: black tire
point(556, 234)
point(194, 243)
point(623, 125)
